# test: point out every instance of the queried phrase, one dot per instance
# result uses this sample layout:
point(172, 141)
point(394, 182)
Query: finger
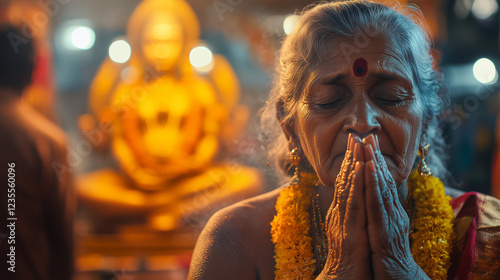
point(369, 149)
point(376, 214)
point(337, 208)
point(346, 162)
point(369, 141)
point(359, 154)
point(381, 161)
point(385, 191)
point(345, 167)
point(356, 213)
point(396, 216)
point(343, 193)
point(382, 164)
point(389, 192)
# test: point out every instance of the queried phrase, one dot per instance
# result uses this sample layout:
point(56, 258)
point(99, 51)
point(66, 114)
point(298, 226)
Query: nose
point(362, 119)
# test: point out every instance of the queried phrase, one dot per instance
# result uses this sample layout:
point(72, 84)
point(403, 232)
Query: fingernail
point(349, 141)
point(357, 166)
point(368, 139)
point(353, 142)
point(372, 153)
point(356, 139)
point(372, 141)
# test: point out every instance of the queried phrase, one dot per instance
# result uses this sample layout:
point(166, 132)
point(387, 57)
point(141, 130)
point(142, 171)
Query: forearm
point(420, 274)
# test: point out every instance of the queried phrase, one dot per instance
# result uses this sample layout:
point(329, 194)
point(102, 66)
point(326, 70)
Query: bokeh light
point(82, 37)
point(484, 71)
point(201, 59)
point(289, 23)
point(120, 51)
point(484, 9)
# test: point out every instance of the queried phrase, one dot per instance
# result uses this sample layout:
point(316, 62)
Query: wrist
point(326, 276)
point(329, 270)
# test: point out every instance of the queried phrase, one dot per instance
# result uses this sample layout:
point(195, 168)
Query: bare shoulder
point(253, 210)
point(236, 243)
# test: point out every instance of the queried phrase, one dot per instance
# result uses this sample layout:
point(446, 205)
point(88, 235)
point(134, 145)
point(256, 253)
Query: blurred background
point(160, 103)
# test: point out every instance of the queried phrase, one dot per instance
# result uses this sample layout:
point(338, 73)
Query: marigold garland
point(290, 230)
point(431, 243)
point(433, 239)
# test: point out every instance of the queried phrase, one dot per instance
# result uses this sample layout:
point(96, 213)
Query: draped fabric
point(476, 251)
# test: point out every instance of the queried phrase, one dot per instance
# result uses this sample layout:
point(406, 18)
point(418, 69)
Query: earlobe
point(291, 137)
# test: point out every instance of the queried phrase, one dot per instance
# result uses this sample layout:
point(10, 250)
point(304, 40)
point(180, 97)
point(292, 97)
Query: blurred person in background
point(36, 205)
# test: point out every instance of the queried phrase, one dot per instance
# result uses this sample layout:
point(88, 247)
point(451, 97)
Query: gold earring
point(295, 161)
point(423, 169)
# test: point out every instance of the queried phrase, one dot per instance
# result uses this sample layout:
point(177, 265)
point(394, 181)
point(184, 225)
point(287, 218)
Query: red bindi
point(360, 67)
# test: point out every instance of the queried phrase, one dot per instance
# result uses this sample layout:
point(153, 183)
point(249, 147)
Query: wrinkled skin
point(369, 244)
point(361, 135)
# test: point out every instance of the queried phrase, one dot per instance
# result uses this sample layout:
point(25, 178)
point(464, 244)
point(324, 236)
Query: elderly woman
point(358, 103)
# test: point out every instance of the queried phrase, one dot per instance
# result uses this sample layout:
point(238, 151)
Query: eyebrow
point(335, 79)
point(383, 76)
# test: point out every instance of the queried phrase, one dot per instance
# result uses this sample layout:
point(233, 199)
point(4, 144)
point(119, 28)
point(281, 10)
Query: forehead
point(381, 53)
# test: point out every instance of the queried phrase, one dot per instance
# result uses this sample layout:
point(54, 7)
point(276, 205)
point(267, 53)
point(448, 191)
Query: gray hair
point(304, 49)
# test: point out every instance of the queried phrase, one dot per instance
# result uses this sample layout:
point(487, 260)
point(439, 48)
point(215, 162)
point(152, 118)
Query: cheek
point(320, 141)
point(406, 139)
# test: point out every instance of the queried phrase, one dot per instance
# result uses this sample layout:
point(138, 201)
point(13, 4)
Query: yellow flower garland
point(433, 240)
point(290, 230)
point(431, 245)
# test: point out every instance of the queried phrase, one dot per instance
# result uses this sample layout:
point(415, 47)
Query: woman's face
point(361, 90)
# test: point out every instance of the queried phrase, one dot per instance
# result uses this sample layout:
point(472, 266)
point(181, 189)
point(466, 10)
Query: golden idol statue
point(165, 125)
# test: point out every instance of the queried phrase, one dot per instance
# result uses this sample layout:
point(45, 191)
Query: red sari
point(476, 249)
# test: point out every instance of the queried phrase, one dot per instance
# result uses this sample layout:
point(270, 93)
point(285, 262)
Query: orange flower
point(431, 244)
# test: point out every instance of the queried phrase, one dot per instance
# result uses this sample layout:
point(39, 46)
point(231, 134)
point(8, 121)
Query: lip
point(339, 156)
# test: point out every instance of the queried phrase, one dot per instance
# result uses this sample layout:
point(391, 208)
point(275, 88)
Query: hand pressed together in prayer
point(367, 227)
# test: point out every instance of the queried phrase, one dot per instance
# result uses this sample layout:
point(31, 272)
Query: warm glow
point(201, 59)
point(162, 31)
point(82, 38)
point(164, 125)
point(162, 41)
point(164, 222)
point(289, 23)
point(484, 71)
point(129, 74)
point(120, 51)
point(162, 51)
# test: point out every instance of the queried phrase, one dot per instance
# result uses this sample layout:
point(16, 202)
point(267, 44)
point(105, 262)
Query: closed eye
point(392, 102)
point(329, 105)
